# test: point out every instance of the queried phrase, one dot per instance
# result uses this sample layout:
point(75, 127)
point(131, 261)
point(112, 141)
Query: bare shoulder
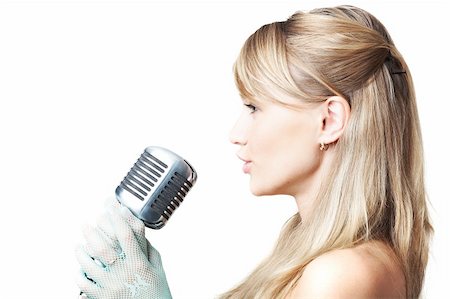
point(369, 270)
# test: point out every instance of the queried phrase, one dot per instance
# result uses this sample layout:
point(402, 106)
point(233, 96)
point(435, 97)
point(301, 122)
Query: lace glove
point(105, 227)
point(118, 262)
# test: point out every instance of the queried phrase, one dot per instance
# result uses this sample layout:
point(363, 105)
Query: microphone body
point(156, 186)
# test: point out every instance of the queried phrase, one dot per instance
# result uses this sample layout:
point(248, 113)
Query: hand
point(105, 227)
point(118, 262)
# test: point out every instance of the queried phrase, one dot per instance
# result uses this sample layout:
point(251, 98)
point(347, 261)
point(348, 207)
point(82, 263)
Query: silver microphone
point(156, 186)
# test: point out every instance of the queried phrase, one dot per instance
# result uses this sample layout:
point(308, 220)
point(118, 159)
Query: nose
point(238, 134)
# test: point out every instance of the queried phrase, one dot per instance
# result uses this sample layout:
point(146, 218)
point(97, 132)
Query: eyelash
point(252, 108)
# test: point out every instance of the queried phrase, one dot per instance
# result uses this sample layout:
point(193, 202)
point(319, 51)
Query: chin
point(261, 188)
point(259, 191)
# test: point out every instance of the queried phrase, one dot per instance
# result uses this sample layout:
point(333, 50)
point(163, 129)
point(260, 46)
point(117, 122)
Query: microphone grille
point(143, 175)
point(156, 186)
point(172, 195)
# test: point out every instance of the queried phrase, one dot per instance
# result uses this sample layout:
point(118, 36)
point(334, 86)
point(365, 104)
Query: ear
point(335, 115)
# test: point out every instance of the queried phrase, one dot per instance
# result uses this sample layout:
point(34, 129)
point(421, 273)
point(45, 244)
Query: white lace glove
point(118, 262)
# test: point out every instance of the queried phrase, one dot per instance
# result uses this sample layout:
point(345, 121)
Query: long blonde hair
point(376, 189)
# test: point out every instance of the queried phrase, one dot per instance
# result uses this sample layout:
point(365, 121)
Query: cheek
point(297, 158)
point(297, 140)
point(287, 157)
point(300, 163)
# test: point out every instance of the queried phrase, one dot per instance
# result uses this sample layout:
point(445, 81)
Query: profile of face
point(278, 146)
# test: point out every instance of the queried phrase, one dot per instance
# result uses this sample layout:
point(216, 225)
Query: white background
point(85, 86)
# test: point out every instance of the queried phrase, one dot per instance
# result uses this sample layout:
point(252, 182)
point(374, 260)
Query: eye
point(251, 107)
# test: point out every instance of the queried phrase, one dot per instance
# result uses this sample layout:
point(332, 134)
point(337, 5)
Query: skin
point(369, 270)
point(280, 146)
point(280, 150)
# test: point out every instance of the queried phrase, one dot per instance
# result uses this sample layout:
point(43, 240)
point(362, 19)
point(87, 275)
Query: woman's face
point(279, 146)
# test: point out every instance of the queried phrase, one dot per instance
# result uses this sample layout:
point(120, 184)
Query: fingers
point(91, 276)
point(99, 246)
point(125, 235)
point(137, 226)
point(104, 225)
point(88, 289)
point(86, 286)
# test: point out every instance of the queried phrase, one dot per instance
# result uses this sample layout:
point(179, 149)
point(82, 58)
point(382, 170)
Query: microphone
point(156, 186)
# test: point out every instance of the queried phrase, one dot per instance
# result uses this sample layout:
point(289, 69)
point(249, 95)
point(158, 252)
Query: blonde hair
point(376, 189)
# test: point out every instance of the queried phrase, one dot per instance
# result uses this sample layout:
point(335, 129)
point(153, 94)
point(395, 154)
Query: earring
point(323, 146)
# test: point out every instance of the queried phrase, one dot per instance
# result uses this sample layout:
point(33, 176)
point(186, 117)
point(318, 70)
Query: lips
point(246, 167)
point(247, 164)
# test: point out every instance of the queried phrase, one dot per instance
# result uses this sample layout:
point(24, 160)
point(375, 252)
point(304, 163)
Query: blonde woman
point(330, 118)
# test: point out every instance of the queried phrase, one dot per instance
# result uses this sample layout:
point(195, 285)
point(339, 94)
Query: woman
point(330, 118)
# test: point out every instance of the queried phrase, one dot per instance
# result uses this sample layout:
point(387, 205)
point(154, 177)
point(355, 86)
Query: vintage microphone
point(156, 186)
